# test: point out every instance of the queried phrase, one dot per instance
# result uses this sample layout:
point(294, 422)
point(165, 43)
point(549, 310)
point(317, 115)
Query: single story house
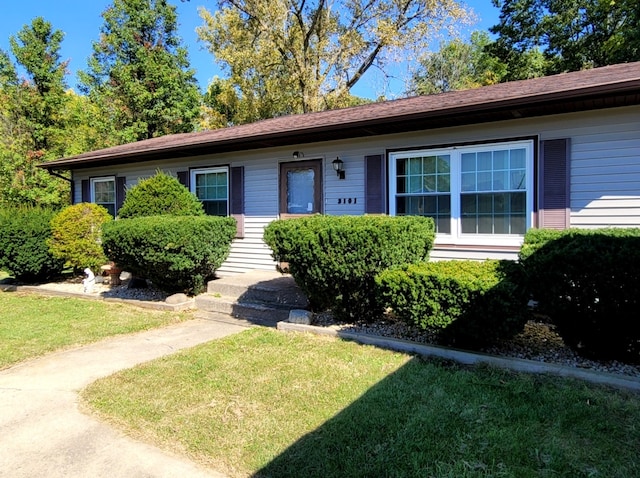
point(487, 164)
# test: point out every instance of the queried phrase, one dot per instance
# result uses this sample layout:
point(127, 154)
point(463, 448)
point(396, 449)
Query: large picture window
point(211, 186)
point(475, 194)
point(103, 193)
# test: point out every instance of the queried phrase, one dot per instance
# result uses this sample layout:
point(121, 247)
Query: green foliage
point(159, 195)
point(470, 303)
point(177, 253)
point(458, 66)
point(76, 235)
point(335, 259)
point(299, 56)
point(588, 282)
point(24, 251)
point(569, 35)
point(139, 73)
point(31, 118)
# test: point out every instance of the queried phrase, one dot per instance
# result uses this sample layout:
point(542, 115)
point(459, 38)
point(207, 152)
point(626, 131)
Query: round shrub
point(158, 195)
point(177, 253)
point(76, 233)
point(24, 251)
point(588, 283)
point(469, 303)
point(334, 259)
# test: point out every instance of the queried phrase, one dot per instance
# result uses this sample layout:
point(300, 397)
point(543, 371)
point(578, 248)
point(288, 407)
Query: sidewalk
point(43, 433)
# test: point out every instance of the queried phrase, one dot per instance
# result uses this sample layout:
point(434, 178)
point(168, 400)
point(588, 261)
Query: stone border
point(144, 304)
point(471, 358)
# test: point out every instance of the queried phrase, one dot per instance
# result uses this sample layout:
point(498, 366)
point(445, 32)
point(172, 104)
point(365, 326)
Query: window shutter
point(236, 203)
point(86, 190)
point(375, 184)
point(121, 191)
point(183, 178)
point(72, 196)
point(554, 189)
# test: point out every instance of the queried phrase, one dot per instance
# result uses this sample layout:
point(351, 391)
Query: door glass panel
point(301, 191)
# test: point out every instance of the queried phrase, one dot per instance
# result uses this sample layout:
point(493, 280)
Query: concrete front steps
point(258, 297)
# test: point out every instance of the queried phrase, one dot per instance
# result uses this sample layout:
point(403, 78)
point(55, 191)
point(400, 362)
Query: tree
point(295, 56)
point(30, 116)
point(139, 73)
point(458, 65)
point(569, 34)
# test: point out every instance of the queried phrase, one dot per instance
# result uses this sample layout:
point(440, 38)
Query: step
point(260, 287)
point(254, 312)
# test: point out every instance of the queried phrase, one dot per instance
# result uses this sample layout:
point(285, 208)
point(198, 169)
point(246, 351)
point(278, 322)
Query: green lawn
point(32, 325)
point(266, 403)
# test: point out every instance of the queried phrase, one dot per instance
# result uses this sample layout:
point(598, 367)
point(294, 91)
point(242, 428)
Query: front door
point(300, 188)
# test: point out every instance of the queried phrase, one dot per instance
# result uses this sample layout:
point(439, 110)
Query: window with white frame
point(103, 193)
point(478, 194)
point(211, 186)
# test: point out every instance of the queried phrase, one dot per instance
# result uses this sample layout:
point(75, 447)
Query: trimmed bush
point(160, 195)
point(177, 253)
point(334, 259)
point(588, 283)
point(24, 251)
point(469, 303)
point(76, 236)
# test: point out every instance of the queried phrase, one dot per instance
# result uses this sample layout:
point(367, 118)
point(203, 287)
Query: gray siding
point(605, 174)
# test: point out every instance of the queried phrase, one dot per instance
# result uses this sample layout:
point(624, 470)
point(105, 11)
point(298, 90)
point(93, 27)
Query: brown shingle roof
point(610, 86)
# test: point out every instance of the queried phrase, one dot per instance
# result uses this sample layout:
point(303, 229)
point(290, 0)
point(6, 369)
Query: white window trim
point(104, 179)
point(218, 169)
point(455, 152)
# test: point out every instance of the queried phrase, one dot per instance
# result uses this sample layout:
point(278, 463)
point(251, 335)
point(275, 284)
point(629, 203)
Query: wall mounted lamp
point(298, 154)
point(338, 166)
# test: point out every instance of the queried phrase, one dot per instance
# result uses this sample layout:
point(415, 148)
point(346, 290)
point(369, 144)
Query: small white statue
point(89, 281)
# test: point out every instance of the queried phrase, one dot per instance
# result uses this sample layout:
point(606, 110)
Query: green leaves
point(139, 73)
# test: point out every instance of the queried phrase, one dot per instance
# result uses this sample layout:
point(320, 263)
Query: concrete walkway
point(44, 434)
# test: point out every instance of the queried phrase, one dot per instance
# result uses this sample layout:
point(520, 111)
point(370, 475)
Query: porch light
point(338, 166)
point(298, 154)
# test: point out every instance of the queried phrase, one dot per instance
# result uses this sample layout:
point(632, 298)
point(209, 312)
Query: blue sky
point(81, 22)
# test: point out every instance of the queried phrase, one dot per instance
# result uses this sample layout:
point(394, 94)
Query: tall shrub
point(588, 282)
point(160, 194)
point(77, 235)
point(334, 259)
point(24, 251)
point(177, 253)
point(469, 303)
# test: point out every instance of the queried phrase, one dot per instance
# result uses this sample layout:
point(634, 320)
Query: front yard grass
point(265, 403)
point(32, 325)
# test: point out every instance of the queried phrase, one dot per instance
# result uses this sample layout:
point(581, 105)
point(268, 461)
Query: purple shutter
point(183, 178)
point(121, 191)
point(72, 196)
point(236, 200)
point(375, 185)
point(554, 185)
point(86, 190)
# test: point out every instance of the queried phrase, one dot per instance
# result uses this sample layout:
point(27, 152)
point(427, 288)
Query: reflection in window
point(211, 187)
point(423, 188)
point(103, 192)
point(301, 191)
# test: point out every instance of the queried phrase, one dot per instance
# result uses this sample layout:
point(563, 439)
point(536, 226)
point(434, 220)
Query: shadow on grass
point(436, 419)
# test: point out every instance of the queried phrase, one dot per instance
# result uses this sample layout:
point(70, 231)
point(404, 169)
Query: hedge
point(469, 303)
point(588, 283)
point(159, 195)
point(177, 253)
point(334, 259)
point(24, 251)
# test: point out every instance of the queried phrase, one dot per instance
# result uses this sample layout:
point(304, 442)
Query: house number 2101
point(347, 200)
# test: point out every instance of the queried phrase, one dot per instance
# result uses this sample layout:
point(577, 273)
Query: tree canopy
point(569, 34)
point(295, 56)
point(139, 74)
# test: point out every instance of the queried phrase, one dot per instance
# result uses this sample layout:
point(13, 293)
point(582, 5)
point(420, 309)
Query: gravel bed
point(538, 342)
